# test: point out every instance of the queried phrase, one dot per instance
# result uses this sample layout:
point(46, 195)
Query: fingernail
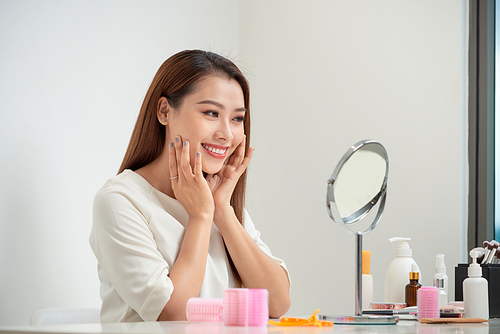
point(171, 144)
point(197, 154)
point(185, 142)
point(176, 139)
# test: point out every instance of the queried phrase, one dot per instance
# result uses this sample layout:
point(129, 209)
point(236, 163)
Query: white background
point(324, 75)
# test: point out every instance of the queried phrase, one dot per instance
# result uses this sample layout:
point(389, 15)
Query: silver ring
point(174, 177)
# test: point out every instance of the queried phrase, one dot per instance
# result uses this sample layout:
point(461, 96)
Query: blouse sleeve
point(255, 235)
point(127, 253)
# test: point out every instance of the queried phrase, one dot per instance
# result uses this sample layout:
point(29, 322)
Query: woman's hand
point(189, 186)
point(222, 184)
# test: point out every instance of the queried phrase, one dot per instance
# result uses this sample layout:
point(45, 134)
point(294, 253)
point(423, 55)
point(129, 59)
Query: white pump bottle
point(475, 291)
point(398, 271)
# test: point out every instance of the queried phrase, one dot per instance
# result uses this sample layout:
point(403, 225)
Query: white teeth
point(214, 150)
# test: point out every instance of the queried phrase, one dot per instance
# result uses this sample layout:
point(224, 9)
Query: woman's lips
point(216, 151)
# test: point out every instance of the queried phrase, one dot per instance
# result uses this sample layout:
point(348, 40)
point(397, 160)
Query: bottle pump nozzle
point(440, 264)
point(474, 268)
point(403, 248)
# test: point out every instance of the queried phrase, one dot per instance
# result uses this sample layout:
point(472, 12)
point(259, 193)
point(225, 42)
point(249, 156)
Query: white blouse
point(136, 236)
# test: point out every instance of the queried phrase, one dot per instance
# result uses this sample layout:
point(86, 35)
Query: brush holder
point(492, 274)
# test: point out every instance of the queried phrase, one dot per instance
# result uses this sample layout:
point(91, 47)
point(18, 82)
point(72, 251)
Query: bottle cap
point(414, 272)
point(403, 248)
point(366, 262)
point(440, 264)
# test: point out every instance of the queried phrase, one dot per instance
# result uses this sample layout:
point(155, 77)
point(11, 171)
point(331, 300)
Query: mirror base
point(360, 320)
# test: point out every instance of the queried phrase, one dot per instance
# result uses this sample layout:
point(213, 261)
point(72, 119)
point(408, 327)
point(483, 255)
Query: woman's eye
point(239, 119)
point(211, 113)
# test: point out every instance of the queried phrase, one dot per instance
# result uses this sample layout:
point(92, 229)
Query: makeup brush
point(493, 246)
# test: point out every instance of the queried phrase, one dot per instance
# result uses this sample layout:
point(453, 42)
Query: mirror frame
point(380, 197)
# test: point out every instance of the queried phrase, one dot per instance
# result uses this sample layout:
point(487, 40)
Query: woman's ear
point(162, 110)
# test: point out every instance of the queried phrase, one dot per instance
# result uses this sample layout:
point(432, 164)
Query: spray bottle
point(396, 276)
point(441, 272)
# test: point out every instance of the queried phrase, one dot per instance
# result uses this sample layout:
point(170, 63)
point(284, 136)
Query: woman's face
point(211, 119)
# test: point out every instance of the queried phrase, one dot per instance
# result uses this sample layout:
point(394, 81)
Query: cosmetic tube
point(366, 281)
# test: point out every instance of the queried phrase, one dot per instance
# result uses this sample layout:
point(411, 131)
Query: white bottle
point(441, 272)
point(439, 283)
point(396, 276)
point(476, 291)
point(366, 282)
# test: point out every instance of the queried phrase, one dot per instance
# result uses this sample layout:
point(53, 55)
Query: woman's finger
point(172, 162)
point(198, 173)
point(239, 154)
point(185, 166)
point(246, 161)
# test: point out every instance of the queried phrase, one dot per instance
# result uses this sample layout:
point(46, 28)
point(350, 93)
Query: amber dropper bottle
point(412, 287)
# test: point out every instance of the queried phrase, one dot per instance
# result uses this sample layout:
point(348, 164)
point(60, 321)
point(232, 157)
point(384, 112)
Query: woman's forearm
point(256, 268)
point(188, 271)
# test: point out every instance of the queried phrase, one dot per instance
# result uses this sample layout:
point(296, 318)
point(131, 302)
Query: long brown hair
point(176, 78)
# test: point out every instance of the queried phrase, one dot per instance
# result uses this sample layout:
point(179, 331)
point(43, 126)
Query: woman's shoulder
point(127, 185)
point(125, 192)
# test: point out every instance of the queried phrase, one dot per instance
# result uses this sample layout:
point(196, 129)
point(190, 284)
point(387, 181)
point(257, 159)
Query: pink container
point(203, 309)
point(258, 307)
point(235, 307)
point(427, 302)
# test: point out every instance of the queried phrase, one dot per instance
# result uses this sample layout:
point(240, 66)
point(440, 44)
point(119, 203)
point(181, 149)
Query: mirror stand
point(358, 282)
point(357, 185)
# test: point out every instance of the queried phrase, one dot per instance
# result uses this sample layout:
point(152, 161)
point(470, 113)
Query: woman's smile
point(216, 151)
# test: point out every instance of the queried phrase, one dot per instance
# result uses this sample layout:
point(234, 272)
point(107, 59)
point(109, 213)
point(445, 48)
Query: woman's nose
point(224, 131)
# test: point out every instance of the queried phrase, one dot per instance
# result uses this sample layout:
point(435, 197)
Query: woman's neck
point(157, 173)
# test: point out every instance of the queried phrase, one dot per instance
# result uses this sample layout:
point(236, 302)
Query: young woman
point(172, 224)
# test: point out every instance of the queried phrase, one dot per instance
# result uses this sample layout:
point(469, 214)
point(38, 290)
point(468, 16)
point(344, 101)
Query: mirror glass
point(358, 183)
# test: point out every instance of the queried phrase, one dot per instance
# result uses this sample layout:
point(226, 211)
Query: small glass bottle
point(412, 287)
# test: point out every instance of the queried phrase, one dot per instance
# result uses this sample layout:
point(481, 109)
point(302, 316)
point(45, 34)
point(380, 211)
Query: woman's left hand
point(223, 183)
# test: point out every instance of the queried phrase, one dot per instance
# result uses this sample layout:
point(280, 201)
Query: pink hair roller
point(236, 307)
point(258, 305)
point(427, 302)
point(203, 309)
point(240, 307)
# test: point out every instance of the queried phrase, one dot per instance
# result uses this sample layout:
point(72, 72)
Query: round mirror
point(357, 184)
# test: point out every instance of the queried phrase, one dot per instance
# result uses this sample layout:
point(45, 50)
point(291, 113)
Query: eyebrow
point(220, 105)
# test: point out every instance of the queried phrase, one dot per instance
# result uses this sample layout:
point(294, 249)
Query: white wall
point(326, 74)
point(323, 74)
point(72, 78)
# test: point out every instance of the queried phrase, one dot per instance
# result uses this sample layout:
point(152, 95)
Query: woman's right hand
point(189, 186)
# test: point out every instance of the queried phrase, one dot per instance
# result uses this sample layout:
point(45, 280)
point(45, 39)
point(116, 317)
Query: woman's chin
point(209, 170)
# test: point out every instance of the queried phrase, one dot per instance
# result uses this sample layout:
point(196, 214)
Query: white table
point(217, 328)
